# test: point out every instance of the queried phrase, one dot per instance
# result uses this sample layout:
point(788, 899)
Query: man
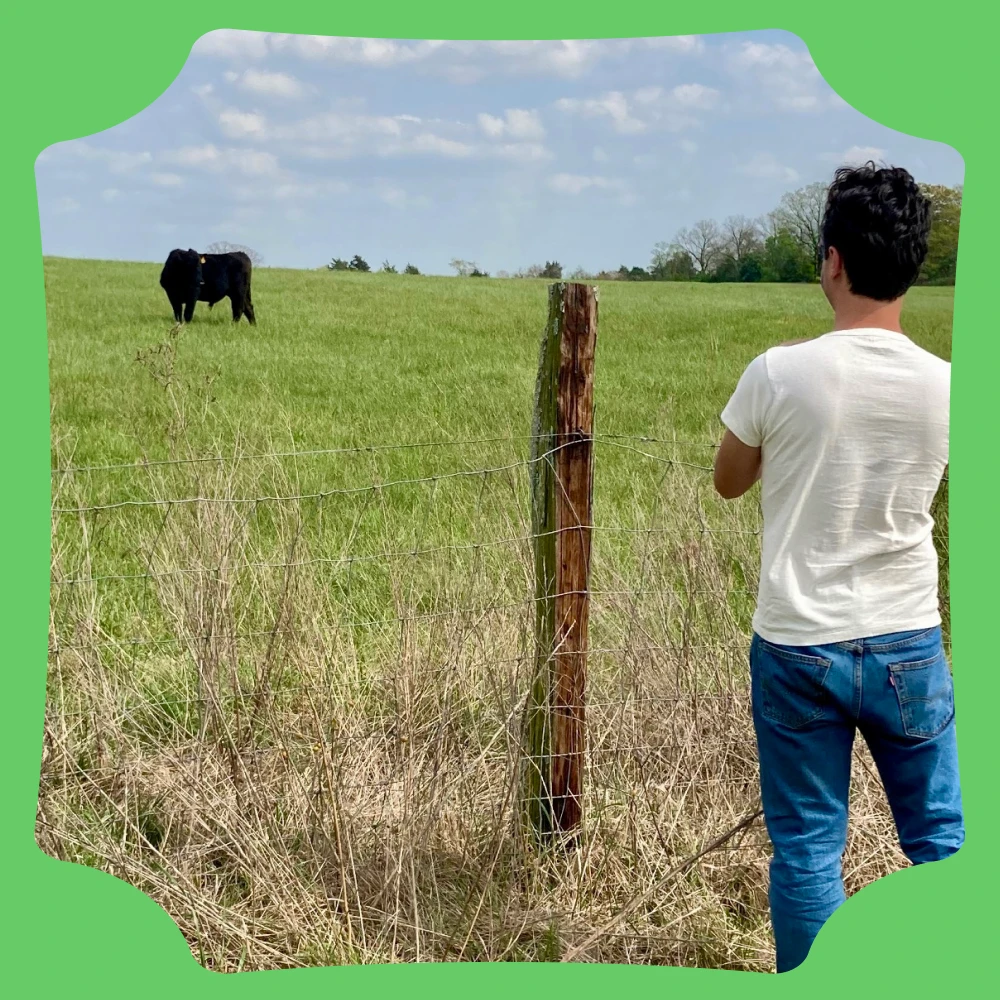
point(848, 435)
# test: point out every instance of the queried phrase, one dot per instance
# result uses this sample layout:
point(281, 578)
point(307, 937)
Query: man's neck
point(857, 313)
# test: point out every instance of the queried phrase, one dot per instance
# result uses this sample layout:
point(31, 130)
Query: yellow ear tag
point(203, 260)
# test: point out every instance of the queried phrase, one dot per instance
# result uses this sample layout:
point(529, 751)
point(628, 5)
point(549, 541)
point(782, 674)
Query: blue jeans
point(808, 701)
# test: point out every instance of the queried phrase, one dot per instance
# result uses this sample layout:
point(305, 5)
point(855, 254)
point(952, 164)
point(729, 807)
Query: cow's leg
point(189, 312)
point(248, 309)
point(237, 304)
point(177, 305)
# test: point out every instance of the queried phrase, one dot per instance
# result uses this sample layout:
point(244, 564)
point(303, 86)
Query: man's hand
point(737, 467)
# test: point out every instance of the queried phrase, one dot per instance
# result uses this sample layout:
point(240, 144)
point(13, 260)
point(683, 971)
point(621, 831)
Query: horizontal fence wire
point(389, 556)
point(143, 463)
point(668, 706)
point(370, 488)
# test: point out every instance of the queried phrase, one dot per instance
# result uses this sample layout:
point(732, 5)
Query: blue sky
point(503, 153)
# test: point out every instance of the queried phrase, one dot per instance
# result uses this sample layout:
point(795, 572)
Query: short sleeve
point(746, 411)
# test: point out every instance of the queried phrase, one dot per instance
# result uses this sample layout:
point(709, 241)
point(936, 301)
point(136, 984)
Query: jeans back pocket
point(925, 694)
point(790, 684)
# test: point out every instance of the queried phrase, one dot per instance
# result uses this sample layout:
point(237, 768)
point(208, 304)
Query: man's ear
point(836, 262)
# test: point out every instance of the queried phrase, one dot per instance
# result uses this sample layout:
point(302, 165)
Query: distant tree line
point(358, 263)
point(782, 246)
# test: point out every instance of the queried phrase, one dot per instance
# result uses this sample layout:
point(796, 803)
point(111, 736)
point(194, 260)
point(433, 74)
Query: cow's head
point(185, 267)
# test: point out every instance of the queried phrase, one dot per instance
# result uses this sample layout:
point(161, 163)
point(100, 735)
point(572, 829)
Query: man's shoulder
point(932, 366)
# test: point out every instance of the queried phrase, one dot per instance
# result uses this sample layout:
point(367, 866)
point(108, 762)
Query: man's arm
point(737, 467)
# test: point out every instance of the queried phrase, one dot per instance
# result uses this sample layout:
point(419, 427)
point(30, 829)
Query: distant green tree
point(751, 267)
point(671, 264)
point(338, 265)
point(941, 262)
point(464, 268)
point(553, 269)
point(633, 274)
point(800, 213)
point(387, 268)
point(787, 259)
point(476, 273)
point(704, 242)
point(411, 269)
point(726, 268)
point(358, 263)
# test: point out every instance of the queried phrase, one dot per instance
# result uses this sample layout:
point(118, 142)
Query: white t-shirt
point(853, 432)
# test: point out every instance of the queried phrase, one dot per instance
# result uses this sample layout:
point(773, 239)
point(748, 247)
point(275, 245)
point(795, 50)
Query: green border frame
point(77, 69)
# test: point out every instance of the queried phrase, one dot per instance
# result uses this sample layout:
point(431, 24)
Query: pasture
point(291, 619)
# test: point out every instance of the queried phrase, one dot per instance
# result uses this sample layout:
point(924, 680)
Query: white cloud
point(339, 136)
point(289, 191)
point(337, 131)
point(123, 163)
point(688, 146)
point(427, 142)
point(117, 161)
point(299, 189)
point(566, 58)
point(110, 194)
point(459, 61)
point(855, 156)
point(379, 52)
point(766, 167)
point(493, 127)
point(696, 96)
point(787, 78)
point(647, 107)
point(648, 95)
point(516, 123)
point(574, 184)
point(229, 44)
point(600, 155)
point(686, 44)
point(241, 124)
point(265, 82)
point(522, 152)
point(204, 90)
point(249, 162)
point(613, 105)
point(167, 179)
point(64, 206)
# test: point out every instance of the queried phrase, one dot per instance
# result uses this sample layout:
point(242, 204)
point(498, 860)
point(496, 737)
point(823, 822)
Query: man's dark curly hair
point(879, 221)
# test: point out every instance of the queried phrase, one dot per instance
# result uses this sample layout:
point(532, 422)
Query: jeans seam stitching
point(888, 647)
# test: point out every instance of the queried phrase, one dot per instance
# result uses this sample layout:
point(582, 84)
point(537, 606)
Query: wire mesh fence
point(285, 699)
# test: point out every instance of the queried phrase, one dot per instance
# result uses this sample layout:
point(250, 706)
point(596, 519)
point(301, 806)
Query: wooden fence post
point(561, 480)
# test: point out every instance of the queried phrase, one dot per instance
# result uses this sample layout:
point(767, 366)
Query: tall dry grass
point(305, 742)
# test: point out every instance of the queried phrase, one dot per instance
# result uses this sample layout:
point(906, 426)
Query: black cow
point(189, 277)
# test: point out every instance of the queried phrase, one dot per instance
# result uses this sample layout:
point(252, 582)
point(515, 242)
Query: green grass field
point(285, 688)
